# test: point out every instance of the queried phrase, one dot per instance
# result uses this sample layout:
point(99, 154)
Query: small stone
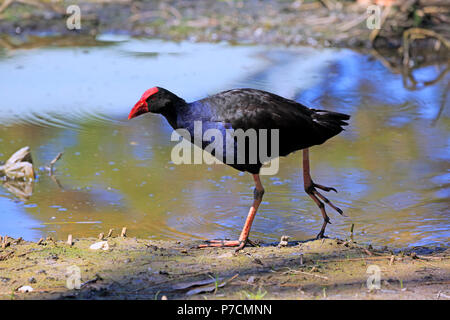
point(32, 280)
point(25, 289)
point(283, 241)
point(53, 257)
point(100, 245)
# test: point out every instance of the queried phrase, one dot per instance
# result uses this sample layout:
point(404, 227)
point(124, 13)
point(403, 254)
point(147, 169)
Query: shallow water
point(391, 166)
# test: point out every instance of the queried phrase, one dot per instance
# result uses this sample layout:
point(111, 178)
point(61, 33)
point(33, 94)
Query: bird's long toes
point(253, 243)
point(328, 202)
point(320, 236)
point(219, 243)
point(324, 188)
point(216, 240)
point(241, 246)
point(339, 210)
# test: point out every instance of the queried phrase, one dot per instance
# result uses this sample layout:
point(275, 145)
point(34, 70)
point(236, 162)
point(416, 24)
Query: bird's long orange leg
point(310, 188)
point(243, 239)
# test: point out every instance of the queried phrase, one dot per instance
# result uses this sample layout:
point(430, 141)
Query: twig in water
point(52, 163)
point(419, 33)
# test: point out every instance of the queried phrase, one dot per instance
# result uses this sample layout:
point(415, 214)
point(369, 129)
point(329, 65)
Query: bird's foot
point(324, 188)
point(311, 189)
point(321, 235)
point(220, 243)
point(227, 243)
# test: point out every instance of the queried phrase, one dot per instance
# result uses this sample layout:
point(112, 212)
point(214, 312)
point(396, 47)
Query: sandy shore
point(145, 269)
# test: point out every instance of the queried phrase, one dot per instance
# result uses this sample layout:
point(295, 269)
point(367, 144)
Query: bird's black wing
point(251, 108)
point(299, 125)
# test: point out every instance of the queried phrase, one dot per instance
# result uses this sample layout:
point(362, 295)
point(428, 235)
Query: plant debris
point(19, 166)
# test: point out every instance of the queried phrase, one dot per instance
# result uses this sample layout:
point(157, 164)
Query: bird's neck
point(170, 112)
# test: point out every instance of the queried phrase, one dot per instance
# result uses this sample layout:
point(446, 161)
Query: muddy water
point(391, 166)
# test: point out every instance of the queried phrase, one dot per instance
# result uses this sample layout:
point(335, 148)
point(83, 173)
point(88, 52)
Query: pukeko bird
point(299, 128)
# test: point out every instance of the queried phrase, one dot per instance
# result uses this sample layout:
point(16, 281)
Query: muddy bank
point(144, 269)
point(314, 23)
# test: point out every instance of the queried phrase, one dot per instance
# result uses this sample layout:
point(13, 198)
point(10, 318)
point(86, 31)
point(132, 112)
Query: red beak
point(138, 109)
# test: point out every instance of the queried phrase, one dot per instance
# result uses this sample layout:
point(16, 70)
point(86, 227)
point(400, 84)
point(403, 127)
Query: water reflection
point(390, 166)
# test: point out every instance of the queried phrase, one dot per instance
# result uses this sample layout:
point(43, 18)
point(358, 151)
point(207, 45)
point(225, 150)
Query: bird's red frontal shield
point(142, 106)
point(138, 109)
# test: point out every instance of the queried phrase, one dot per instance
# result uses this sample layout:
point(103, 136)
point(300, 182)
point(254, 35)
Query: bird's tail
point(331, 123)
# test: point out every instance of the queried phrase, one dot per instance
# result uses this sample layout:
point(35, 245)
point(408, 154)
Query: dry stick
point(442, 106)
point(56, 181)
point(69, 240)
point(417, 33)
point(353, 23)
point(6, 256)
point(123, 234)
point(52, 163)
point(385, 62)
point(391, 261)
point(429, 263)
point(43, 5)
point(5, 242)
point(5, 5)
point(101, 236)
point(355, 259)
point(376, 31)
point(330, 5)
point(366, 251)
point(229, 280)
point(431, 258)
point(97, 278)
point(308, 273)
point(110, 233)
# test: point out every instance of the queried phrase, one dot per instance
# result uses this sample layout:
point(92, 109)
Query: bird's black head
point(155, 100)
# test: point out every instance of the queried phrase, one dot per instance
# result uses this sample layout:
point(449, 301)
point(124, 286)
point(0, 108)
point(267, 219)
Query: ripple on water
point(389, 164)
